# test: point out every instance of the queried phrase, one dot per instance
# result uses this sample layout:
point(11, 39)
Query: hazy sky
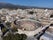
point(39, 3)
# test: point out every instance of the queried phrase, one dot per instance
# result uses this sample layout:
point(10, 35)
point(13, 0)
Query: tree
point(23, 36)
point(8, 24)
point(15, 37)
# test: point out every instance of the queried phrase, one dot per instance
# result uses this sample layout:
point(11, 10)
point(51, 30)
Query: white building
point(46, 37)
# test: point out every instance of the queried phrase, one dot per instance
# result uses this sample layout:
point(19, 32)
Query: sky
point(37, 3)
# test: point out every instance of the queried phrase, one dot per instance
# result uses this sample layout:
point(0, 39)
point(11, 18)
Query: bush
point(14, 29)
point(4, 30)
point(23, 36)
point(8, 37)
point(15, 37)
point(8, 24)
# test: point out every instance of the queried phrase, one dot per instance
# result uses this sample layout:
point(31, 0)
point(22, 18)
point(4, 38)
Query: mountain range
point(12, 6)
